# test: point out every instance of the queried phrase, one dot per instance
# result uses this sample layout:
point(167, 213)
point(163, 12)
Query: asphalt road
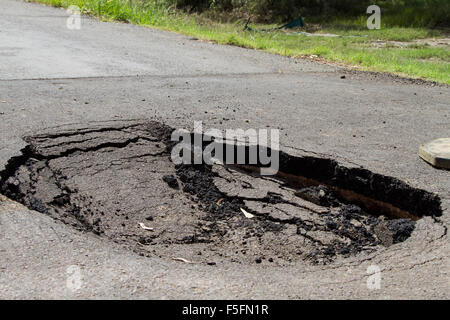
point(51, 76)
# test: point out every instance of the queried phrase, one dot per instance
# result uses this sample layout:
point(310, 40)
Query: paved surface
point(51, 76)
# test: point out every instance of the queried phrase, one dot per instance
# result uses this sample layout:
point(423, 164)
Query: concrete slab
point(436, 153)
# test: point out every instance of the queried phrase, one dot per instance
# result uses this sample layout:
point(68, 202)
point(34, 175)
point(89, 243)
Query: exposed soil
point(117, 180)
point(431, 42)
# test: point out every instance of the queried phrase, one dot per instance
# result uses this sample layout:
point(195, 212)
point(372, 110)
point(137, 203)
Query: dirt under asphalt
point(91, 179)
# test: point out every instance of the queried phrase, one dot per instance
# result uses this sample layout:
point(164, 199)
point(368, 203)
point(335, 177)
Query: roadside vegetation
point(412, 41)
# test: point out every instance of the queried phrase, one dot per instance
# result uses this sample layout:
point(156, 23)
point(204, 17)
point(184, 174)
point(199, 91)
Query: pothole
point(113, 179)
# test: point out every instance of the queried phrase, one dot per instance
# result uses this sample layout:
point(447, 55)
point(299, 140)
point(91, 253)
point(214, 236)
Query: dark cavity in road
point(117, 179)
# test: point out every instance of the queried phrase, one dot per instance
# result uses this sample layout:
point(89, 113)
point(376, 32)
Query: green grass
point(355, 48)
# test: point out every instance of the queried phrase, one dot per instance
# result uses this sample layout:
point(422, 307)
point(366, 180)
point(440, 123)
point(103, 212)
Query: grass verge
point(391, 49)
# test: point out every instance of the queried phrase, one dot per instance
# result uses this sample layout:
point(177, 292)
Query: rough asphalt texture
point(51, 76)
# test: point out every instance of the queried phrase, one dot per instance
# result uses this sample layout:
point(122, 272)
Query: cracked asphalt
point(52, 78)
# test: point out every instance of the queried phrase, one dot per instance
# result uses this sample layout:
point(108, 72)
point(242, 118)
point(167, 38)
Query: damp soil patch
point(117, 180)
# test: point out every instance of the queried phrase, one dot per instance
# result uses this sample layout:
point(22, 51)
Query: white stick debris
point(247, 214)
point(182, 260)
point(143, 226)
